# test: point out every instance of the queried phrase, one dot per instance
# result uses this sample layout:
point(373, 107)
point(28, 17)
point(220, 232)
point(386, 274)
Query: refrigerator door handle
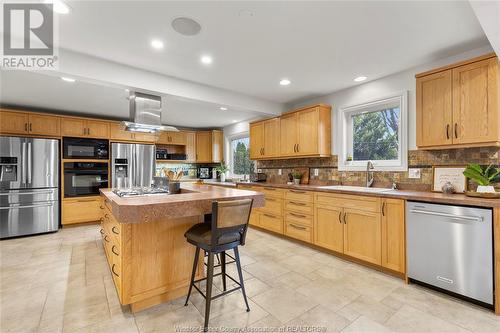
point(27, 206)
point(21, 193)
point(23, 162)
point(29, 162)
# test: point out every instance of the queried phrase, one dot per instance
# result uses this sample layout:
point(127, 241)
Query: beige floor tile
point(184, 318)
point(320, 318)
point(284, 303)
point(331, 294)
point(291, 280)
point(366, 325)
point(371, 309)
point(237, 318)
point(408, 319)
point(266, 270)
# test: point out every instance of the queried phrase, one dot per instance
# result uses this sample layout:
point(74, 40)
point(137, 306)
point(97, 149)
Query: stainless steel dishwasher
point(451, 247)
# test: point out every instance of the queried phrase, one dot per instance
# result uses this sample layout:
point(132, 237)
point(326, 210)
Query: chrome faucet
point(369, 174)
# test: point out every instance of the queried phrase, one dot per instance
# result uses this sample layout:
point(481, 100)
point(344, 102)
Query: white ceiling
point(53, 94)
point(319, 45)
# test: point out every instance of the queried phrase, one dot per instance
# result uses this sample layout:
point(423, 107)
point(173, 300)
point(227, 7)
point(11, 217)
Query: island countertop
point(194, 200)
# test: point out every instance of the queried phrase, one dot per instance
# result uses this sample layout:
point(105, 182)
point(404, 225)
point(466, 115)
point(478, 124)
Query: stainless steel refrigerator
point(29, 186)
point(132, 165)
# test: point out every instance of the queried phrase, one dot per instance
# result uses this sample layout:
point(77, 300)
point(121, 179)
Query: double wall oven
point(84, 172)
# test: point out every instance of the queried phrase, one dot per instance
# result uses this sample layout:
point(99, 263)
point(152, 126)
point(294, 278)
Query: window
point(240, 156)
point(375, 131)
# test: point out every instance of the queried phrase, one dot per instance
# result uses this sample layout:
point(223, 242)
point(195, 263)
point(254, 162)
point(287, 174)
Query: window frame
point(231, 153)
point(346, 134)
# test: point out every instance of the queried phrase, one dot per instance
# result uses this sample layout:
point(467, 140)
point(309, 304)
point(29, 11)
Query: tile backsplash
point(328, 173)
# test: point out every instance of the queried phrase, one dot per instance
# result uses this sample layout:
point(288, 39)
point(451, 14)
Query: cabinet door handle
point(345, 218)
point(26, 127)
point(297, 227)
point(113, 270)
point(270, 199)
point(101, 207)
point(113, 250)
point(271, 216)
point(269, 189)
point(298, 215)
point(297, 191)
point(88, 130)
point(456, 131)
point(447, 131)
point(297, 203)
point(383, 208)
point(85, 200)
point(101, 231)
point(106, 238)
point(263, 151)
point(115, 232)
point(31, 127)
point(298, 148)
point(340, 217)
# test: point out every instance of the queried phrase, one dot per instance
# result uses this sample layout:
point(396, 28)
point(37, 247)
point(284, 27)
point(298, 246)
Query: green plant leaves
point(484, 177)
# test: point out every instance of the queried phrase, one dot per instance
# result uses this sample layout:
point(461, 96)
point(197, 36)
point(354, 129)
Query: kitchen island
point(143, 237)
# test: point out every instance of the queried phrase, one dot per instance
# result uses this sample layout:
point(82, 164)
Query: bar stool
point(226, 231)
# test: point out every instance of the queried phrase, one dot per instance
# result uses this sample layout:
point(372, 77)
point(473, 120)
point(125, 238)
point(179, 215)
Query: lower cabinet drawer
point(271, 222)
point(299, 206)
point(273, 206)
point(303, 219)
point(81, 210)
point(299, 195)
point(254, 218)
point(298, 231)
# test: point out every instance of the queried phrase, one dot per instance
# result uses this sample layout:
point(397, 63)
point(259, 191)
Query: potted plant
point(222, 168)
point(484, 177)
point(297, 176)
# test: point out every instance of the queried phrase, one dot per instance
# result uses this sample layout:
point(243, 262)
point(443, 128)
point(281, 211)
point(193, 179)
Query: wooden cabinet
point(14, 122)
point(265, 139)
point(393, 234)
point(362, 235)
point(81, 127)
point(209, 146)
point(329, 228)
point(172, 138)
point(80, 210)
point(306, 132)
point(190, 146)
point(119, 134)
point(458, 106)
point(434, 118)
point(204, 147)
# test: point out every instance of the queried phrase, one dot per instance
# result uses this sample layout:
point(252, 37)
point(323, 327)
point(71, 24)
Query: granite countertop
point(194, 200)
point(433, 197)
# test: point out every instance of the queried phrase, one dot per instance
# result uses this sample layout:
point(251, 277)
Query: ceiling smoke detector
point(186, 26)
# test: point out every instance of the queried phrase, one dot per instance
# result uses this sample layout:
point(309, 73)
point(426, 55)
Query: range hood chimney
point(145, 114)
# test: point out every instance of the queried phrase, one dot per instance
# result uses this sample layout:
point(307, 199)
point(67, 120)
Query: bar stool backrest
point(230, 217)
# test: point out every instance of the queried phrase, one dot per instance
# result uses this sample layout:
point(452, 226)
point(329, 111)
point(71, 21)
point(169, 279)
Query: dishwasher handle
point(451, 216)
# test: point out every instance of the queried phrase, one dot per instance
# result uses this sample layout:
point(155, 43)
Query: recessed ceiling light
point(360, 79)
point(67, 79)
point(207, 60)
point(235, 121)
point(223, 108)
point(285, 82)
point(127, 90)
point(157, 44)
point(59, 6)
point(186, 26)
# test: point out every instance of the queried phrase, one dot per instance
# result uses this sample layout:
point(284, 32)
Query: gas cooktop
point(137, 192)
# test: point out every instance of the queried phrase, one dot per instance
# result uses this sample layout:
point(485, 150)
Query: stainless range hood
point(145, 114)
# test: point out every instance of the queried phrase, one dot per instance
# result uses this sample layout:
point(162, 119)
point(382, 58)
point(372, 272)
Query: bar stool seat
point(201, 234)
point(226, 231)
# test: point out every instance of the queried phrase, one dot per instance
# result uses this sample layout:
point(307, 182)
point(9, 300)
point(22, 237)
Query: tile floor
point(61, 283)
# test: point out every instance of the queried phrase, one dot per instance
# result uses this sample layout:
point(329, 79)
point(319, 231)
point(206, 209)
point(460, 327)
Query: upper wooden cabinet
point(190, 146)
point(119, 134)
point(13, 122)
point(172, 138)
point(301, 133)
point(458, 106)
point(265, 139)
point(209, 146)
point(81, 127)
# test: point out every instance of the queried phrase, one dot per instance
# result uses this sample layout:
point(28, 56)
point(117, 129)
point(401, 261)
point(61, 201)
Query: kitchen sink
point(356, 188)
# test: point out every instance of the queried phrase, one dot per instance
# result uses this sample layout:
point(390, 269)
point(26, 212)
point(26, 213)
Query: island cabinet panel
point(393, 234)
point(328, 227)
point(13, 122)
point(458, 106)
point(362, 235)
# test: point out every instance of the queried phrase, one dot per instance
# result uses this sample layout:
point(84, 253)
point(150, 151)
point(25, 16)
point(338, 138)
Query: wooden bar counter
point(143, 237)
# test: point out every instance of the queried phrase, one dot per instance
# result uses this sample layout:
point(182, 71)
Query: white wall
point(380, 88)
